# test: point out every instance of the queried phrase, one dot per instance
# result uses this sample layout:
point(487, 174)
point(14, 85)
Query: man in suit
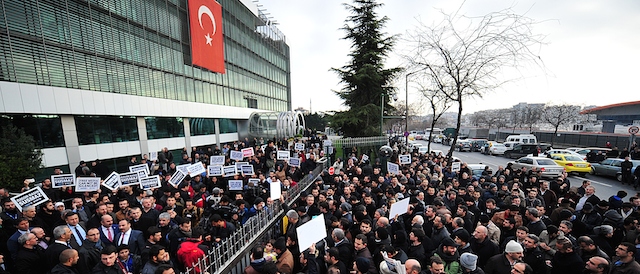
point(22, 224)
point(61, 234)
point(95, 220)
point(78, 232)
point(130, 237)
point(108, 230)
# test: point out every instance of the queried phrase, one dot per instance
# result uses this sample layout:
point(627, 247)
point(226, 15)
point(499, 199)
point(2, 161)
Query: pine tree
point(364, 78)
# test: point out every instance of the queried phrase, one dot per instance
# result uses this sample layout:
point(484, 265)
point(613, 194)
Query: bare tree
point(467, 61)
point(439, 103)
point(559, 115)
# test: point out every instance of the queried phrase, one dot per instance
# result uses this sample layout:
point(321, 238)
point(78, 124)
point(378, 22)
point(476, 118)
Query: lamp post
point(406, 106)
point(395, 98)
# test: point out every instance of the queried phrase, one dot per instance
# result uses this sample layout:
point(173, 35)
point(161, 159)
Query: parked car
point(549, 168)
point(463, 145)
point(423, 150)
point(494, 148)
point(477, 169)
point(510, 145)
point(414, 146)
point(572, 163)
point(595, 150)
point(550, 152)
point(611, 167)
point(477, 144)
point(521, 150)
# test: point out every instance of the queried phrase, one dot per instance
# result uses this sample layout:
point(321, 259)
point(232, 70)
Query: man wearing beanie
point(468, 263)
point(448, 252)
point(501, 263)
point(361, 266)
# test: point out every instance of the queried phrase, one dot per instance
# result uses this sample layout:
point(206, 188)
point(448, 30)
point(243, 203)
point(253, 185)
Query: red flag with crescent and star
point(205, 22)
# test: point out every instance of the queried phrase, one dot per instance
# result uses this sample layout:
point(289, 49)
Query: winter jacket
point(563, 263)
point(63, 269)
point(451, 264)
point(485, 250)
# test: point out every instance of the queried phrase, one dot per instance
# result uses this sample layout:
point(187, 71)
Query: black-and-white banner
point(63, 180)
point(87, 184)
point(150, 182)
point(129, 179)
point(112, 182)
point(31, 197)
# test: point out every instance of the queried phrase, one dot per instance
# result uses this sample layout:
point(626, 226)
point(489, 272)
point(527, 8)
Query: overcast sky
point(591, 58)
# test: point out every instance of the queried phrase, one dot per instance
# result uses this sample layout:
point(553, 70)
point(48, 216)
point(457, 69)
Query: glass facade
point(141, 47)
point(106, 129)
point(228, 126)
point(45, 129)
point(202, 126)
point(164, 127)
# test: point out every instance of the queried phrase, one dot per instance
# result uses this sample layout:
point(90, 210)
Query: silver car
point(548, 167)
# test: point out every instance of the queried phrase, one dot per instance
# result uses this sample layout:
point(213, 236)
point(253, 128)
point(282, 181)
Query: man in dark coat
point(89, 252)
point(566, 260)
point(30, 257)
point(68, 261)
point(501, 263)
point(533, 256)
point(625, 168)
point(61, 234)
point(107, 265)
point(483, 246)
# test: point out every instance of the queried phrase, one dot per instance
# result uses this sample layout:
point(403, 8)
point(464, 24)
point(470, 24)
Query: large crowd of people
point(504, 221)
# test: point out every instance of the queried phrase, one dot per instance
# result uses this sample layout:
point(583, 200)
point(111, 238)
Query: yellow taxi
point(571, 163)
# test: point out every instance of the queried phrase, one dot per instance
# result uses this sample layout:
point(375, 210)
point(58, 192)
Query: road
point(605, 186)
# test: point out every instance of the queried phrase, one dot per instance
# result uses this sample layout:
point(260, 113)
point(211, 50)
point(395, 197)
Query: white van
point(522, 139)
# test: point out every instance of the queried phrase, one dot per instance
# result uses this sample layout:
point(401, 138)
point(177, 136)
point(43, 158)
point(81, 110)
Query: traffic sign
point(332, 170)
point(633, 129)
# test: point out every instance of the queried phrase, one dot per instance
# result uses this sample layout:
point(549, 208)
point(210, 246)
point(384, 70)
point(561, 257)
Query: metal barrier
point(232, 254)
point(364, 145)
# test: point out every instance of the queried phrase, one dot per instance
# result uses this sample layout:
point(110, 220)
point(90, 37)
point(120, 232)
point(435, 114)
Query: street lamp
point(406, 107)
point(395, 98)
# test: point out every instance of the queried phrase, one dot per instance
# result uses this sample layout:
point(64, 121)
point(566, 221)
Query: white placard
point(399, 207)
point(177, 177)
point(214, 171)
point(153, 156)
point(311, 232)
point(63, 180)
point(183, 168)
point(294, 162)
point(365, 157)
point(275, 190)
point(247, 152)
point(236, 155)
point(196, 169)
point(87, 184)
point(229, 171)
point(150, 182)
point(112, 182)
point(31, 197)
point(393, 168)
point(283, 155)
point(247, 170)
point(235, 185)
point(129, 178)
point(254, 181)
point(405, 159)
point(217, 160)
point(139, 168)
point(299, 146)
point(240, 164)
point(455, 166)
point(262, 147)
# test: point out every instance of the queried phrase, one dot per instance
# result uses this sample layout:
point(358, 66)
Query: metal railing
point(232, 254)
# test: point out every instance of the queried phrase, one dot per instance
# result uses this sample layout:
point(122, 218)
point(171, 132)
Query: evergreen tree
point(19, 157)
point(364, 78)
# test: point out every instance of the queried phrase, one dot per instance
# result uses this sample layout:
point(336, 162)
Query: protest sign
point(177, 178)
point(229, 171)
point(153, 156)
point(311, 232)
point(196, 169)
point(214, 171)
point(87, 184)
point(275, 190)
point(217, 160)
point(150, 182)
point(399, 208)
point(393, 168)
point(247, 170)
point(365, 157)
point(183, 168)
point(299, 146)
point(283, 155)
point(63, 180)
point(31, 197)
point(236, 155)
point(240, 164)
point(254, 182)
point(139, 168)
point(129, 179)
point(247, 152)
point(235, 185)
point(294, 162)
point(112, 182)
point(455, 166)
point(405, 159)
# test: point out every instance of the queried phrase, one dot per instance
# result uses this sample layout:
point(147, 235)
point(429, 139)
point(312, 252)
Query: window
point(228, 126)
point(106, 129)
point(202, 126)
point(45, 129)
point(164, 127)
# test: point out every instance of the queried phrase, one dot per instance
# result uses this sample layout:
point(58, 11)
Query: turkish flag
point(205, 22)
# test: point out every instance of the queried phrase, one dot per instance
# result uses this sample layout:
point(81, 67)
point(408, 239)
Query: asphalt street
point(605, 186)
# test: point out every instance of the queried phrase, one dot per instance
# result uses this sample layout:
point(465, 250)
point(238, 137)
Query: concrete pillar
point(71, 140)
point(142, 135)
point(216, 123)
point(187, 134)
